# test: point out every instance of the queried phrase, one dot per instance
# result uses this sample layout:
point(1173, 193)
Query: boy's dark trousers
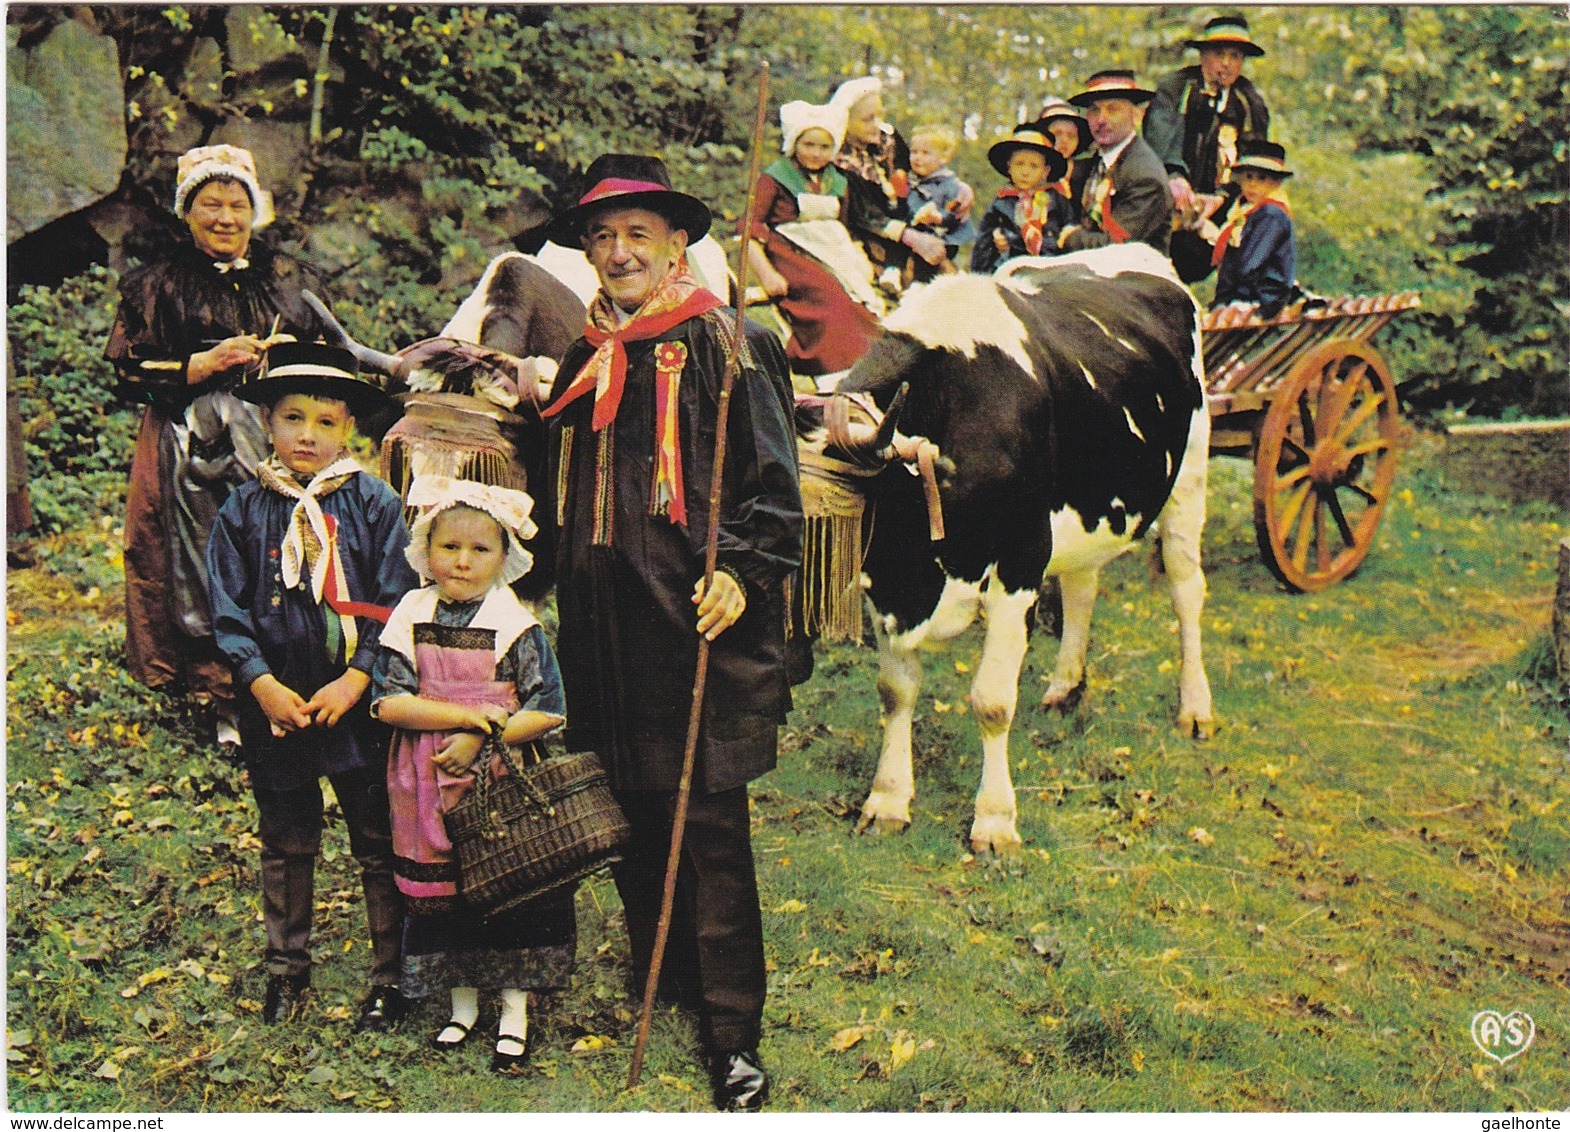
point(714, 960)
point(291, 833)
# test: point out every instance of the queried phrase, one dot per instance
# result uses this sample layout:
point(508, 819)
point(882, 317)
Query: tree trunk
point(1561, 618)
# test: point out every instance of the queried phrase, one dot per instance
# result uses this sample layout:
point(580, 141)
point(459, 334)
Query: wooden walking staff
point(662, 929)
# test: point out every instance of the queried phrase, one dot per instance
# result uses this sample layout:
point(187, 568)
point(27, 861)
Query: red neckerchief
point(1030, 214)
point(1236, 219)
point(677, 298)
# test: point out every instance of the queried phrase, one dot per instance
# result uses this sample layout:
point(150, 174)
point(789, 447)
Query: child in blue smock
point(1255, 252)
point(1021, 220)
point(306, 562)
point(939, 201)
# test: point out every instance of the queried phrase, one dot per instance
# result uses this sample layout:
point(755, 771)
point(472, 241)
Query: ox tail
point(883, 366)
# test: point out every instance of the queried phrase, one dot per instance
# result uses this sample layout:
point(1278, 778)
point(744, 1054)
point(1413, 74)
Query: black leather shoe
point(740, 1084)
point(505, 1062)
point(283, 996)
point(383, 1008)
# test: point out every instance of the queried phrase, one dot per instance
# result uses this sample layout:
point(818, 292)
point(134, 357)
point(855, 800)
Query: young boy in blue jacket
point(1255, 249)
point(306, 562)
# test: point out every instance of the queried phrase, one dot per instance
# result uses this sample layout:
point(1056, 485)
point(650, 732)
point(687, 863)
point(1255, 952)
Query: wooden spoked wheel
point(1324, 465)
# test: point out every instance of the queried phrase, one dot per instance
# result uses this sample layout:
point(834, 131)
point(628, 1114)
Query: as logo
point(1502, 1037)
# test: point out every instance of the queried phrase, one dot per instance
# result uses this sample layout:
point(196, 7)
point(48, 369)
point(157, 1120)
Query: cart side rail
point(1246, 356)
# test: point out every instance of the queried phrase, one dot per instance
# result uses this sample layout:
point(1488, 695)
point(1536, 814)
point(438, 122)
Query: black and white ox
point(1066, 400)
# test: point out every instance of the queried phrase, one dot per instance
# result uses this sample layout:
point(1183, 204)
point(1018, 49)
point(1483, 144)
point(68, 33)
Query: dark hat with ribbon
point(1112, 84)
point(1057, 110)
point(629, 180)
point(316, 370)
point(1032, 139)
point(1227, 31)
point(1262, 157)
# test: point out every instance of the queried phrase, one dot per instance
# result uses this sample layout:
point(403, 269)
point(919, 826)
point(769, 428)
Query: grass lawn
point(1304, 913)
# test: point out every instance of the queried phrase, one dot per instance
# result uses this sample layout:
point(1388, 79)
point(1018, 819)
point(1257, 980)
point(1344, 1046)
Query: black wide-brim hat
point(1057, 110)
point(629, 180)
point(316, 370)
point(1262, 157)
point(1112, 84)
point(1227, 31)
point(1028, 137)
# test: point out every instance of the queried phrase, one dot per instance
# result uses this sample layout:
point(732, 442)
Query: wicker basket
point(539, 826)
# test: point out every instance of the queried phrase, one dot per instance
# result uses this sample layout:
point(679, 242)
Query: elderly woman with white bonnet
point(190, 324)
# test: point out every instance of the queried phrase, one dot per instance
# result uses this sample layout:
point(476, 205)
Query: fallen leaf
point(590, 1044)
point(321, 1075)
point(791, 906)
point(1138, 1060)
point(848, 1037)
point(109, 1070)
point(940, 707)
point(1202, 835)
point(901, 1050)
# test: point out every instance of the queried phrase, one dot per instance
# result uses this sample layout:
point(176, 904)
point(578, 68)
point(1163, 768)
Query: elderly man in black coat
point(633, 415)
point(1201, 113)
point(1197, 120)
point(1126, 197)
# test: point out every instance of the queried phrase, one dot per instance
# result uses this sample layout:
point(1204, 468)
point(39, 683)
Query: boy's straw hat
point(316, 370)
point(1028, 137)
point(1262, 157)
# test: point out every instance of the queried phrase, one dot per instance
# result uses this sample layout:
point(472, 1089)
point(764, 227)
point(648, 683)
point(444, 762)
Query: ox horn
point(861, 440)
point(336, 335)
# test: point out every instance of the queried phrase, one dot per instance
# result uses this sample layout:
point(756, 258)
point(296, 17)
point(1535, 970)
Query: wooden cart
point(1313, 404)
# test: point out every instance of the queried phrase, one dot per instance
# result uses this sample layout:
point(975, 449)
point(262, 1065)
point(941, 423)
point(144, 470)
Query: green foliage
point(78, 437)
point(496, 97)
point(1484, 94)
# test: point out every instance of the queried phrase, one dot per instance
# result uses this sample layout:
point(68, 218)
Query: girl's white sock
point(515, 1016)
point(465, 1009)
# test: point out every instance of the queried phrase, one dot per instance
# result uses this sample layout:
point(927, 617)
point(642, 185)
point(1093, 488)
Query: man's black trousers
point(714, 958)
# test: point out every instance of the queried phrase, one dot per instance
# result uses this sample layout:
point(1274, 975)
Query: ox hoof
point(995, 846)
point(881, 824)
point(1064, 700)
point(994, 838)
point(1192, 727)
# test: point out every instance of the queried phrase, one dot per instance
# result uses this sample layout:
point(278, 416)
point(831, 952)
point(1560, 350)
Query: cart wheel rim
point(1324, 465)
